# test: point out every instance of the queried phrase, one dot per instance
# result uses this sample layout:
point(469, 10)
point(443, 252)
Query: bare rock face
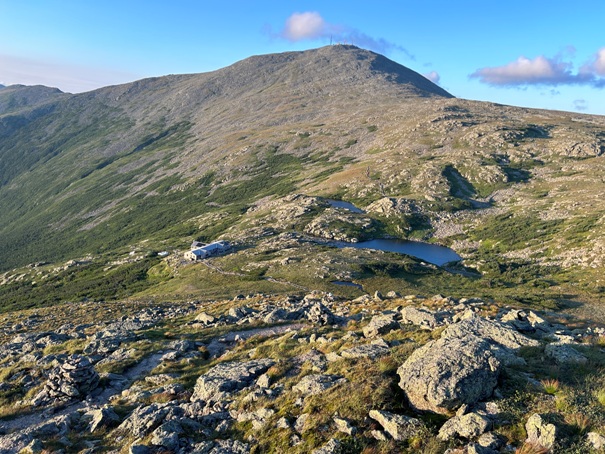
point(390, 206)
point(446, 373)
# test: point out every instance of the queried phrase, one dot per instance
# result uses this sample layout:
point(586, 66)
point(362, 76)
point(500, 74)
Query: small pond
point(346, 205)
point(431, 253)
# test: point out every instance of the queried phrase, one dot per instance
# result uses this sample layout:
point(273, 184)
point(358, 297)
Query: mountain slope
point(153, 164)
point(70, 159)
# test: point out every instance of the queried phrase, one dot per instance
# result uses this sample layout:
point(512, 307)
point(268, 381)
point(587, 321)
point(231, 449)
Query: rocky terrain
point(317, 373)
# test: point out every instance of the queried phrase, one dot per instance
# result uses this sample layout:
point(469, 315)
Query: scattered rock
point(400, 427)
point(143, 420)
point(311, 385)
point(564, 354)
point(365, 351)
point(226, 378)
point(167, 435)
point(467, 426)
point(539, 432)
point(318, 314)
point(104, 418)
point(381, 324)
point(331, 447)
point(597, 441)
point(420, 317)
point(344, 426)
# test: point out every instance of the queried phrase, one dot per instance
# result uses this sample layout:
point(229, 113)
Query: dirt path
point(268, 278)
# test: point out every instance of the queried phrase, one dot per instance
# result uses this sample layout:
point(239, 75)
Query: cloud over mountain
point(311, 25)
point(542, 70)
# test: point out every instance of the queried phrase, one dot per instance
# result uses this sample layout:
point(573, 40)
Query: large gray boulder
point(503, 340)
point(226, 378)
point(496, 333)
point(144, 420)
point(449, 372)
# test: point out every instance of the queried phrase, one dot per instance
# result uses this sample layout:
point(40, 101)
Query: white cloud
point(545, 71)
point(67, 77)
point(309, 25)
point(597, 65)
point(539, 70)
point(433, 76)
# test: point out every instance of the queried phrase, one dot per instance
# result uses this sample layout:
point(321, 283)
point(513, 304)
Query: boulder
point(319, 314)
point(103, 418)
point(446, 373)
point(420, 317)
point(381, 324)
point(167, 435)
point(564, 353)
point(205, 318)
point(469, 425)
point(143, 420)
point(539, 432)
point(311, 385)
point(495, 333)
point(226, 378)
point(344, 426)
point(333, 446)
point(597, 441)
point(400, 427)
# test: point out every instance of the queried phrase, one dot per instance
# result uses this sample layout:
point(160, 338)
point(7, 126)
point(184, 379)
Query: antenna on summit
point(330, 40)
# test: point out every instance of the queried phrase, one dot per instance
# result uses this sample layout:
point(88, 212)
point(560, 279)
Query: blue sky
point(544, 54)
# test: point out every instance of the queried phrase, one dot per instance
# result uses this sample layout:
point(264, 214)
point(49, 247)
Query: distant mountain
point(154, 159)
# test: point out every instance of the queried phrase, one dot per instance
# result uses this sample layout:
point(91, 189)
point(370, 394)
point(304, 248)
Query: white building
point(208, 250)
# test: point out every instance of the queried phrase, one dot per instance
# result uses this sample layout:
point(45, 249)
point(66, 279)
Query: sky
point(531, 53)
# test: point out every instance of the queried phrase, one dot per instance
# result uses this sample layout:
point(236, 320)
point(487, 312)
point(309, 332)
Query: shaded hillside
point(71, 162)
